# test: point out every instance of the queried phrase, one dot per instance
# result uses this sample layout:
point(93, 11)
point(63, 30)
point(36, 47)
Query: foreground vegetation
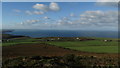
point(67, 61)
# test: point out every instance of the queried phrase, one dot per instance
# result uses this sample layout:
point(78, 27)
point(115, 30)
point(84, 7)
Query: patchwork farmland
point(60, 46)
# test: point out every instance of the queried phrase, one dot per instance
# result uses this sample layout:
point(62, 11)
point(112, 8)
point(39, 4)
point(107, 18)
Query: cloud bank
point(52, 7)
point(88, 19)
point(110, 3)
point(40, 9)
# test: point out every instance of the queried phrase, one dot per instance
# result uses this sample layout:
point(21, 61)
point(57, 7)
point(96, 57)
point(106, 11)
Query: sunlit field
point(96, 46)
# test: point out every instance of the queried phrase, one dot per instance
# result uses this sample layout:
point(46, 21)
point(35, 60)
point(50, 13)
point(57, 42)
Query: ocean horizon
point(64, 33)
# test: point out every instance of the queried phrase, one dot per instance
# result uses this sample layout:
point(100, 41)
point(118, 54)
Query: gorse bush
point(67, 61)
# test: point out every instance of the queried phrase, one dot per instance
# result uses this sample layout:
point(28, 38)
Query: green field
point(19, 41)
point(97, 49)
point(96, 46)
point(90, 46)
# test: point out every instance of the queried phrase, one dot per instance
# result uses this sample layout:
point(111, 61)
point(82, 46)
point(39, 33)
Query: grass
point(15, 43)
point(90, 46)
point(19, 41)
point(97, 49)
point(0, 44)
point(97, 46)
point(84, 43)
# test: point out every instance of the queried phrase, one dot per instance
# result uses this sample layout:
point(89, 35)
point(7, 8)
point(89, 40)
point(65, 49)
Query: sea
point(64, 33)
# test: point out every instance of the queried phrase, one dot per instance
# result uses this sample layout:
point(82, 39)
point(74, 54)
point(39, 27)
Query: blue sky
point(0, 15)
point(61, 15)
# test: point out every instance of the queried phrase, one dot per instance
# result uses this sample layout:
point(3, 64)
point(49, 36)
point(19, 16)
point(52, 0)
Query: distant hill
point(8, 36)
point(6, 30)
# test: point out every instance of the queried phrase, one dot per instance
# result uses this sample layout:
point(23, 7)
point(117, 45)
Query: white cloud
point(98, 19)
point(113, 3)
point(41, 7)
point(34, 12)
point(38, 12)
point(46, 17)
point(108, 0)
point(54, 6)
point(110, 4)
point(88, 19)
point(29, 22)
point(28, 12)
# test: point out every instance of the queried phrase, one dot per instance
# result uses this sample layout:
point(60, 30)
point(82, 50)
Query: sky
point(60, 15)
point(60, 0)
point(0, 15)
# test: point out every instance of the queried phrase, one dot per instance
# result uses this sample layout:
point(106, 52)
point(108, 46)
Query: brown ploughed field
point(44, 50)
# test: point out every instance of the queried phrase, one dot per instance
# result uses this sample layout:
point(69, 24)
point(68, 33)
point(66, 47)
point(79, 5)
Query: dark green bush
point(67, 61)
